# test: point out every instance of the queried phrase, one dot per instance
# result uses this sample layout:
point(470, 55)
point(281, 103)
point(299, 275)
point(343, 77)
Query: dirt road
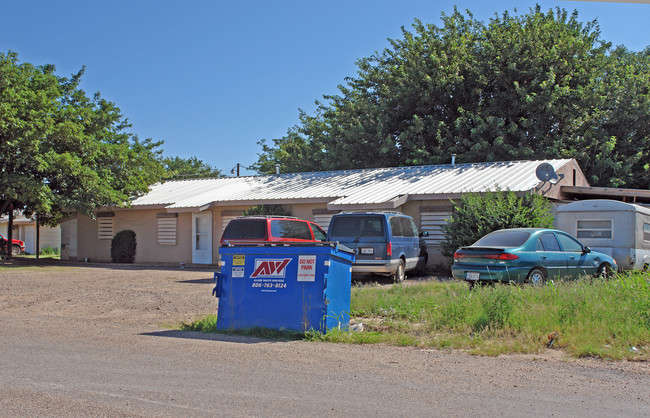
point(88, 341)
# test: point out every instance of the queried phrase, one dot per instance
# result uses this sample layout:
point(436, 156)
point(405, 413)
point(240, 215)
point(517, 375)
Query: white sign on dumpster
point(307, 268)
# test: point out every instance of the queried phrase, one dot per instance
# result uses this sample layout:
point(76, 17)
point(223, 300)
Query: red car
point(256, 229)
point(17, 246)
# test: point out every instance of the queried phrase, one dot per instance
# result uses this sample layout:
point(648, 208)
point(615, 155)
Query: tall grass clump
point(206, 324)
point(586, 317)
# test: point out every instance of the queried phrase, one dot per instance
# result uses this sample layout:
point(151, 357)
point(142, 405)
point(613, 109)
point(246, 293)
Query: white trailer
point(619, 229)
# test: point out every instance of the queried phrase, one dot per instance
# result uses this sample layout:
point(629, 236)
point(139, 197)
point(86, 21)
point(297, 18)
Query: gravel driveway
point(96, 340)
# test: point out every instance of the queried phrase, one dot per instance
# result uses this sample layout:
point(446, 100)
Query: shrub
point(267, 210)
point(476, 215)
point(49, 251)
point(123, 247)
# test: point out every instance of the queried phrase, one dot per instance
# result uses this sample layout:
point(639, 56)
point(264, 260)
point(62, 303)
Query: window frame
point(582, 230)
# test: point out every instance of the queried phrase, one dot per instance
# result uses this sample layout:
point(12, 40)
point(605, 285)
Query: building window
point(594, 229)
point(167, 228)
point(105, 225)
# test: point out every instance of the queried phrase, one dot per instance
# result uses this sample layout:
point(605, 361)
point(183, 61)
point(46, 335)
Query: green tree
point(61, 150)
point(292, 153)
point(476, 215)
point(540, 85)
point(177, 167)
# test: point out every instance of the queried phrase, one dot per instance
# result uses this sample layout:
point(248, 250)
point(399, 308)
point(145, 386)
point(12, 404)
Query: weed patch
point(603, 318)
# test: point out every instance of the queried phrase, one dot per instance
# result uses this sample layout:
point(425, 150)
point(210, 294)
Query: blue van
point(385, 243)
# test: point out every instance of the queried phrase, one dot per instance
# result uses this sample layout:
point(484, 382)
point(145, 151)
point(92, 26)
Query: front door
point(29, 236)
point(69, 240)
point(202, 238)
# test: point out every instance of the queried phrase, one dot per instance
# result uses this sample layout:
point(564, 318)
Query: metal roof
point(390, 187)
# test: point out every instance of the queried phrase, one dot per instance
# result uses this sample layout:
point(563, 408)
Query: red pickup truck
point(17, 246)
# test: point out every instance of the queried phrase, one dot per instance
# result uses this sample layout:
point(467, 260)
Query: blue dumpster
point(294, 286)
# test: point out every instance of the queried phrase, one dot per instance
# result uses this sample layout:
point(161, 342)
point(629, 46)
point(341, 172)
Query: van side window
point(407, 227)
point(414, 227)
point(594, 229)
point(646, 232)
point(396, 227)
point(319, 234)
point(290, 229)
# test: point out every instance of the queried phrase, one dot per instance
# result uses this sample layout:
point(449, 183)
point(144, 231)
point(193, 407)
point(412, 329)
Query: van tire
point(422, 268)
point(400, 273)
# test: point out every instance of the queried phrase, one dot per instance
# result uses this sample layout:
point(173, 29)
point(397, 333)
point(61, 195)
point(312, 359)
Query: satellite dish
point(545, 172)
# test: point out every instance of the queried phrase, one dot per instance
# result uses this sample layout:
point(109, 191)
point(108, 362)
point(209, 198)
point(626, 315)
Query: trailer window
point(646, 232)
point(594, 229)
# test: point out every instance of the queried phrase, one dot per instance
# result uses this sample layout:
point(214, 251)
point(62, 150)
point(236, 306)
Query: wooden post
point(38, 238)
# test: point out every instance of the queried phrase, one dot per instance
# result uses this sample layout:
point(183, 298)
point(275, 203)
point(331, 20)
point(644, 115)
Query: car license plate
point(368, 251)
point(472, 275)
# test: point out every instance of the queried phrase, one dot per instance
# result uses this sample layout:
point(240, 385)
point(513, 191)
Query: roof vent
point(453, 160)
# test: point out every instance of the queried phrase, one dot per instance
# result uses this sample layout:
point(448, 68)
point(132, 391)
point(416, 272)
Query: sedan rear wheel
point(400, 274)
point(536, 277)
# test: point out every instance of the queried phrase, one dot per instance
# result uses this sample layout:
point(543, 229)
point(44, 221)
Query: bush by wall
point(50, 251)
point(476, 215)
point(123, 247)
point(267, 210)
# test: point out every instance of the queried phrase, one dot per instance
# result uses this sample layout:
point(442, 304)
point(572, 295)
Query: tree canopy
point(61, 150)
point(536, 86)
point(177, 167)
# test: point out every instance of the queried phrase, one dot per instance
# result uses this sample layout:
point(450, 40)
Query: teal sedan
point(528, 255)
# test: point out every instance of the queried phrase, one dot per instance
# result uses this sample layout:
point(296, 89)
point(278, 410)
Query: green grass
point(42, 256)
point(209, 324)
point(587, 318)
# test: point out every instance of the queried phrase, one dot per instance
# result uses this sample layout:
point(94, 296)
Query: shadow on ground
point(196, 335)
point(197, 281)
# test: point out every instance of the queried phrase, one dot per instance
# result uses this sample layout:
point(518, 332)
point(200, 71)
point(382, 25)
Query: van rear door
point(365, 234)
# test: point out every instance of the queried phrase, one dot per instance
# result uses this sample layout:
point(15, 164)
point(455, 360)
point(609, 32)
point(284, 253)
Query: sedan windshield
point(508, 238)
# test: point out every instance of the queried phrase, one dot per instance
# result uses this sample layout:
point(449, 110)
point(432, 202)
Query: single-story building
point(182, 221)
point(24, 229)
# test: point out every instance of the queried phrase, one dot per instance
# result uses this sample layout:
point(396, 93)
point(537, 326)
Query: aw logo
point(270, 268)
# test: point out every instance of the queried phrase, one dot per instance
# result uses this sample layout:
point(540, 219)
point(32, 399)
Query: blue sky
point(212, 78)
